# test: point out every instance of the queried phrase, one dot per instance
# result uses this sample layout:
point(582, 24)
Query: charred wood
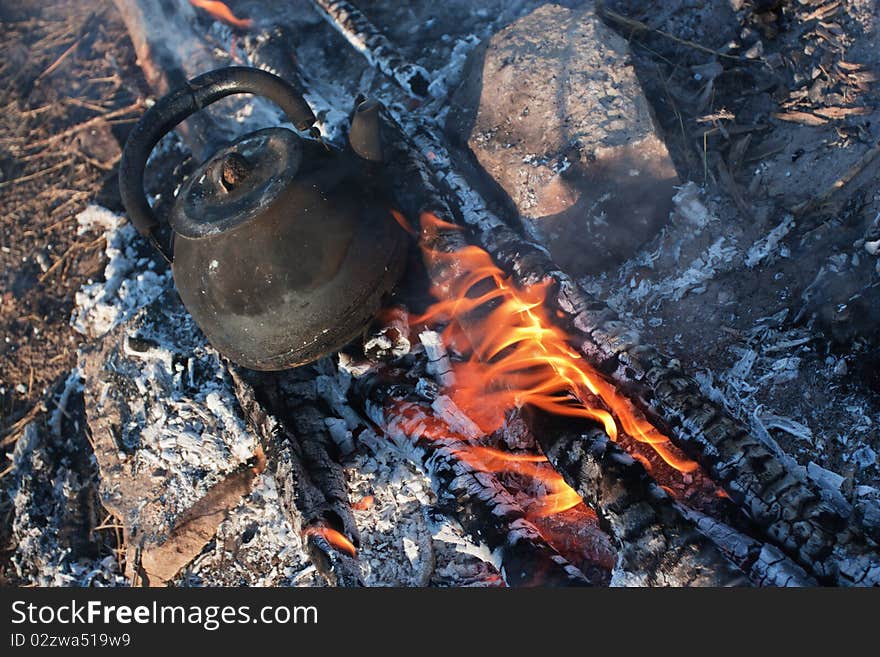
point(656, 544)
point(170, 51)
point(475, 498)
point(765, 564)
point(309, 481)
point(364, 37)
point(790, 512)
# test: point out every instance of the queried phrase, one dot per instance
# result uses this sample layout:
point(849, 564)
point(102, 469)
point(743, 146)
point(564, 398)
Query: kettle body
point(283, 248)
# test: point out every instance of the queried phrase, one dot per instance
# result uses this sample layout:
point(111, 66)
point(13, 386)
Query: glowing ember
point(337, 539)
point(517, 356)
point(221, 12)
point(559, 496)
point(364, 503)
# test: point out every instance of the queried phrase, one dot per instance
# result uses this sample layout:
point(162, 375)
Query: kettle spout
point(365, 135)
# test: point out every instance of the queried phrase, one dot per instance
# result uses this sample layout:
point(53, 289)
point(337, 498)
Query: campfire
point(492, 411)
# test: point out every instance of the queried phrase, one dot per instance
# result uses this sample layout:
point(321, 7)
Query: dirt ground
point(767, 141)
point(69, 91)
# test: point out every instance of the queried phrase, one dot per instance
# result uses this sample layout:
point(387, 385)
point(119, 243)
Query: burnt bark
point(657, 545)
point(764, 564)
point(310, 483)
point(357, 29)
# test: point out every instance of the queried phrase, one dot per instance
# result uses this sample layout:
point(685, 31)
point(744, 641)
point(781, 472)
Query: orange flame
point(223, 13)
point(559, 497)
point(416, 421)
point(518, 356)
point(402, 222)
point(337, 539)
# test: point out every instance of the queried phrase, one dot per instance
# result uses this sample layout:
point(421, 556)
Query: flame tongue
point(223, 13)
point(559, 496)
point(517, 356)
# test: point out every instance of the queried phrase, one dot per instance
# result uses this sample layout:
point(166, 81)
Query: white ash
point(383, 343)
point(254, 546)
point(333, 390)
point(690, 222)
point(439, 365)
point(448, 411)
point(770, 243)
point(447, 78)
point(130, 280)
point(826, 478)
point(791, 427)
point(717, 258)
point(402, 542)
point(689, 209)
point(864, 457)
point(782, 370)
point(396, 530)
point(355, 367)
point(340, 434)
point(194, 433)
point(392, 340)
point(45, 491)
point(867, 505)
point(72, 383)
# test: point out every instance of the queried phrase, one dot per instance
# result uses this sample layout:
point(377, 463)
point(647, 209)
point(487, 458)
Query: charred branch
point(168, 63)
point(172, 50)
point(364, 37)
point(765, 564)
point(310, 483)
point(656, 544)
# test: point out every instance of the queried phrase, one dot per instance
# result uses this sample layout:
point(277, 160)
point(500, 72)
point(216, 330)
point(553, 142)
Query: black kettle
point(282, 247)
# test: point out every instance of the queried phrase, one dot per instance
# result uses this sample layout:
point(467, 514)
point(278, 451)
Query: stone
point(553, 112)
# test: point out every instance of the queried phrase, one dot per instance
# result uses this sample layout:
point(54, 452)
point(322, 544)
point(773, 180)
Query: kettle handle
point(178, 105)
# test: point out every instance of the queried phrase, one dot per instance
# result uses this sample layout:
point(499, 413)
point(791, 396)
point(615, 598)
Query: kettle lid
point(238, 183)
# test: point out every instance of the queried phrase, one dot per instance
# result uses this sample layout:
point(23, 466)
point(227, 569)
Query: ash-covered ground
point(760, 283)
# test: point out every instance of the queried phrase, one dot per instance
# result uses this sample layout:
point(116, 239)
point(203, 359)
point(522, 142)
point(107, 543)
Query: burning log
point(168, 63)
point(171, 51)
point(475, 497)
point(310, 483)
point(364, 37)
point(642, 518)
point(656, 544)
point(790, 512)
